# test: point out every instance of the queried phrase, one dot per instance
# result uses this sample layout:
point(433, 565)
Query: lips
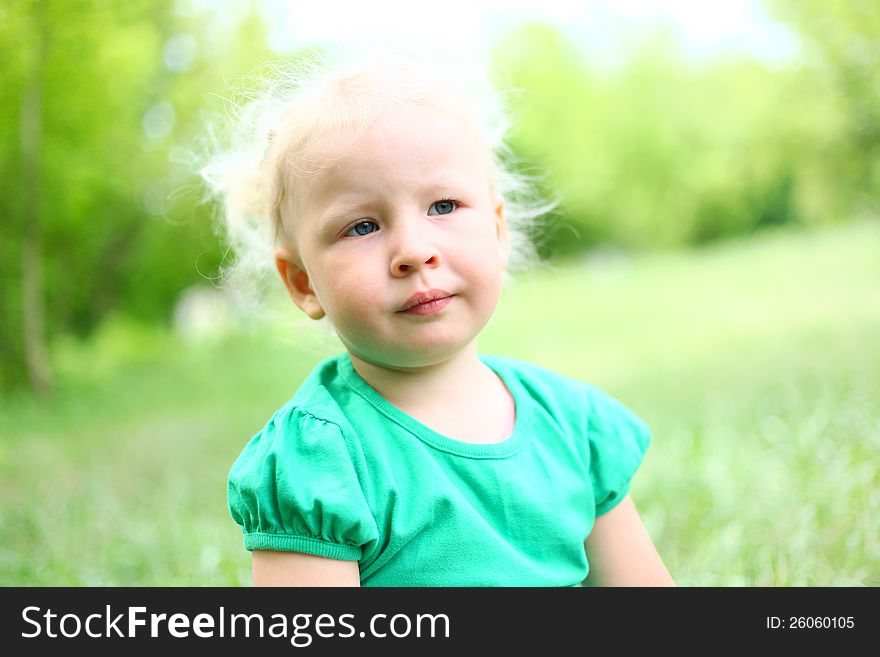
point(420, 298)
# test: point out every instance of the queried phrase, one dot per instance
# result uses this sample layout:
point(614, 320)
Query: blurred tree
point(660, 151)
point(33, 302)
point(102, 103)
point(842, 41)
point(80, 98)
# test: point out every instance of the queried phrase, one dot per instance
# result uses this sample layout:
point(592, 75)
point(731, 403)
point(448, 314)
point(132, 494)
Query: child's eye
point(362, 228)
point(443, 207)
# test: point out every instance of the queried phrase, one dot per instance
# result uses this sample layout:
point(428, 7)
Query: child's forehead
point(425, 133)
point(400, 153)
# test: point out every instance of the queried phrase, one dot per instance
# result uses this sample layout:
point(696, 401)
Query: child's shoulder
point(310, 421)
point(318, 393)
point(560, 393)
point(538, 380)
point(316, 401)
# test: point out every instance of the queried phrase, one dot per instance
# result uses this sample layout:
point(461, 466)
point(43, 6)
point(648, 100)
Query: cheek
point(479, 255)
point(349, 291)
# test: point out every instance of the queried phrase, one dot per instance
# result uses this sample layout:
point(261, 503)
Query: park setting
point(712, 259)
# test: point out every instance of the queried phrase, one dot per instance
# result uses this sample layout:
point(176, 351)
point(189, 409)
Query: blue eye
point(443, 207)
point(362, 228)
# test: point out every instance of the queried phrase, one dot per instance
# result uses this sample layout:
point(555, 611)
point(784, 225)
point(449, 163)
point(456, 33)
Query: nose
point(412, 253)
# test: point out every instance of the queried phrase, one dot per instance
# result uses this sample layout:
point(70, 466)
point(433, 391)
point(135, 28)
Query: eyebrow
point(446, 183)
point(337, 208)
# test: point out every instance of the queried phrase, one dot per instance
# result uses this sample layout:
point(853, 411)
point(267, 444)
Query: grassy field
point(756, 364)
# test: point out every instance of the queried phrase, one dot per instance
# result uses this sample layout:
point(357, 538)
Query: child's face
point(406, 207)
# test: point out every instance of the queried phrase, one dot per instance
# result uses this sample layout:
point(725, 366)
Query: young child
point(411, 459)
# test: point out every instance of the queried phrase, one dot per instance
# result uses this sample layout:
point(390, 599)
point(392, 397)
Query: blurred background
point(714, 263)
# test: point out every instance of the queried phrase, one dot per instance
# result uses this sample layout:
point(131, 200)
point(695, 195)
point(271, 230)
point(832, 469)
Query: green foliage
point(842, 44)
point(663, 152)
point(122, 224)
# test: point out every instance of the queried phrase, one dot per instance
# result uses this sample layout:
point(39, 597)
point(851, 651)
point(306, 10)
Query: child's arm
point(620, 551)
point(272, 568)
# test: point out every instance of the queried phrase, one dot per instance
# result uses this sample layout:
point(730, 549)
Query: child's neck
point(461, 397)
point(406, 387)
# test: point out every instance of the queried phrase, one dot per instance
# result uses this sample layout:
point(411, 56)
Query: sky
point(703, 28)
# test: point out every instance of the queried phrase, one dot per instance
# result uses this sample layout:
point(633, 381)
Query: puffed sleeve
point(295, 488)
point(618, 440)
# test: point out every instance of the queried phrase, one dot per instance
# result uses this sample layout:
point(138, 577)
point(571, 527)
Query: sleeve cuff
point(313, 546)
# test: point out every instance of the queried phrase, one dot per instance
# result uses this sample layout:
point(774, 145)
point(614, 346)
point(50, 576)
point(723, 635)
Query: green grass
point(756, 364)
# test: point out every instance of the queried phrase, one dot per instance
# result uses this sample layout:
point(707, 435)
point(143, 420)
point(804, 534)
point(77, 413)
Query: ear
point(296, 279)
point(501, 232)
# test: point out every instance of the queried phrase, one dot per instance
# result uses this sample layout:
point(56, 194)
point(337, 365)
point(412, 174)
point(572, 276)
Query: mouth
point(423, 303)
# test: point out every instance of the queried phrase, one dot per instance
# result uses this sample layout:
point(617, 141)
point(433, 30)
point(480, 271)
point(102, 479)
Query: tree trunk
point(33, 289)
